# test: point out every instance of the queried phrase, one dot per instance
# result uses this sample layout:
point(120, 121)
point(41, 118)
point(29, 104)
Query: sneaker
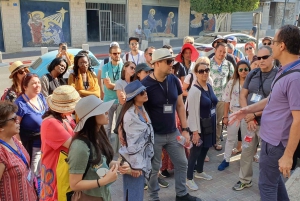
point(191, 184)
point(203, 175)
point(223, 165)
point(162, 183)
point(240, 186)
point(145, 186)
point(165, 173)
point(187, 197)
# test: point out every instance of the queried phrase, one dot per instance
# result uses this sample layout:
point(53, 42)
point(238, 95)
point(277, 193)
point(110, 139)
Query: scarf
point(93, 84)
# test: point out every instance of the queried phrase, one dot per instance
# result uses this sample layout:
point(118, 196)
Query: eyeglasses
point(263, 57)
point(169, 61)
point(201, 71)
point(248, 48)
point(274, 41)
point(15, 119)
point(83, 63)
point(150, 54)
point(22, 71)
point(116, 53)
point(132, 67)
point(142, 92)
point(243, 69)
point(267, 43)
point(134, 44)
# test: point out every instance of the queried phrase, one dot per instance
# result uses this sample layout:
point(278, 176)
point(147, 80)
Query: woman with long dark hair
point(90, 158)
point(50, 81)
point(231, 97)
point(83, 78)
point(139, 136)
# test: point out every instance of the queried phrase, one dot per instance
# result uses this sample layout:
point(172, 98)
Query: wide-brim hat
point(14, 67)
point(133, 89)
point(133, 38)
point(90, 106)
point(161, 54)
point(218, 37)
point(194, 56)
point(142, 66)
point(63, 99)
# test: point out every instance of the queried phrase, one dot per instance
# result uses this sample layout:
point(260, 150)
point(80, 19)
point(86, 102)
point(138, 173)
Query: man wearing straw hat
point(164, 97)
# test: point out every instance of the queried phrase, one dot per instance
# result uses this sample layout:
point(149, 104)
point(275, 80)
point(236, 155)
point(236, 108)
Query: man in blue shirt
point(111, 72)
point(164, 99)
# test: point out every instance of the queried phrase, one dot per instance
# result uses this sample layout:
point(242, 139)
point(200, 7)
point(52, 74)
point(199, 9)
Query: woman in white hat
point(56, 135)
point(91, 138)
point(17, 72)
point(139, 136)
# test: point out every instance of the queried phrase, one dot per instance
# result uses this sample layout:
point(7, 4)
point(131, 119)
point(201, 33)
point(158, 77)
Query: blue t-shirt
point(163, 123)
point(114, 73)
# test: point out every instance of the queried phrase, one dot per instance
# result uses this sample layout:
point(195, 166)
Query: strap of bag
point(127, 55)
point(191, 81)
point(106, 60)
point(282, 75)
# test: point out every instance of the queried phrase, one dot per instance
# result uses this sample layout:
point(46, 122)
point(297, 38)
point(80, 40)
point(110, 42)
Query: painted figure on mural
point(197, 21)
point(151, 20)
point(211, 23)
point(35, 23)
point(169, 23)
point(57, 33)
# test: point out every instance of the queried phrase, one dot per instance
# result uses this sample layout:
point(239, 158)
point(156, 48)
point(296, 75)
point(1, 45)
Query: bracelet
point(254, 115)
point(98, 183)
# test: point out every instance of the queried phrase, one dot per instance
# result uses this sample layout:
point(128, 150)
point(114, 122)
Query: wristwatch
point(187, 129)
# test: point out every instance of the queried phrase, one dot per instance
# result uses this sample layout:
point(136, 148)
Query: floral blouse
point(234, 98)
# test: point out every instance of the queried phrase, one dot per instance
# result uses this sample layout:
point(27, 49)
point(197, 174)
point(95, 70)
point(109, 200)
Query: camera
point(63, 47)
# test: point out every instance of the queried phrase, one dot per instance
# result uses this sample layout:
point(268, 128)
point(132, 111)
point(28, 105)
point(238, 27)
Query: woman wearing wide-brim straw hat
point(56, 135)
point(17, 72)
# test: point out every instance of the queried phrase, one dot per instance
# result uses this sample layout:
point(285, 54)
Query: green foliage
point(223, 6)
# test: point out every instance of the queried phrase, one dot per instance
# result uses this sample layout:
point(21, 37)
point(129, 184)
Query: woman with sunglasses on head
point(139, 136)
point(142, 70)
point(249, 51)
point(16, 180)
point(31, 107)
point(50, 81)
point(17, 72)
point(201, 107)
point(231, 97)
point(83, 78)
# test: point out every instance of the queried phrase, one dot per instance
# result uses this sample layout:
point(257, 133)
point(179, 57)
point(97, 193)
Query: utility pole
point(126, 23)
point(282, 23)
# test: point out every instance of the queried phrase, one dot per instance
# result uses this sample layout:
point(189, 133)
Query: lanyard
point(166, 95)
point(42, 108)
point(291, 67)
point(137, 59)
point(20, 155)
point(261, 82)
point(115, 74)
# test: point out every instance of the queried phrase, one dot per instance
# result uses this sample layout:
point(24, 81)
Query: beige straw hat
point(14, 67)
point(63, 99)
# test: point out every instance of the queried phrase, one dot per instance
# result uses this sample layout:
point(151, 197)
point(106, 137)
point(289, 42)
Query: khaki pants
point(246, 169)
point(220, 113)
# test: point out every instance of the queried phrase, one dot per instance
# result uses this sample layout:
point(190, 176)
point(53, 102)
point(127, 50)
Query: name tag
point(255, 98)
point(213, 111)
point(168, 108)
point(30, 177)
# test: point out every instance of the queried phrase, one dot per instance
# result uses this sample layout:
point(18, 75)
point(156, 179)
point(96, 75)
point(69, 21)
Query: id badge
point(30, 177)
point(168, 108)
point(255, 98)
point(212, 111)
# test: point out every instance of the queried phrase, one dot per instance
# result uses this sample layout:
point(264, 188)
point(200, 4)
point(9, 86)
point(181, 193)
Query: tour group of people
point(58, 140)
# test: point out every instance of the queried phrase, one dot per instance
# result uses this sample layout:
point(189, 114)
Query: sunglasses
point(133, 44)
point(169, 61)
point(263, 57)
point(132, 68)
point(248, 48)
point(202, 71)
point(243, 69)
point(267, 43)
point(142, 92)
point(15, 119)
point(22, 71)
point(116, 53)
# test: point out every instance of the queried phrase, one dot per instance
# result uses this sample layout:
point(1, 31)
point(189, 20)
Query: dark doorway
point(93, 32)
point(1, 35)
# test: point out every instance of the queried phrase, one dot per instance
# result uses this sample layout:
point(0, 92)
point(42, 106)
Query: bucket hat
point(14, 67)
point(63, 99)
point(194, 56)
point(90, 106)
point(133, 89)
point(218, 37)
point(161, 54)
point(142, 66)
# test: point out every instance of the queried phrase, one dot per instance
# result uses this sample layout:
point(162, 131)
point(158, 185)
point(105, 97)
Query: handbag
point(206, 126)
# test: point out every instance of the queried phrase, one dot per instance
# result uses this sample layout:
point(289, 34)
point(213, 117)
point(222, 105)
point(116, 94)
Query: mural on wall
point(201, 23)
point(45, 23)
point(1, 35)
point(160, 21)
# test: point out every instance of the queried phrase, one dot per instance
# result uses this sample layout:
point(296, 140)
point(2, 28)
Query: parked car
point(204, 43)
point(40, 66)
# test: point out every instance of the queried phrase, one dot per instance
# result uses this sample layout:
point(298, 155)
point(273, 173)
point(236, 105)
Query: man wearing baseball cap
point(236, 52)
point(135, 55)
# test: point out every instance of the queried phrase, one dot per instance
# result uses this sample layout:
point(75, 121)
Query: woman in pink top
point(16, 178)
point(56, 134)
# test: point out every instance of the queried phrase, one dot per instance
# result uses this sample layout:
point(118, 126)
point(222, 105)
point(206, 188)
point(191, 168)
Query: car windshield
point(205, 39)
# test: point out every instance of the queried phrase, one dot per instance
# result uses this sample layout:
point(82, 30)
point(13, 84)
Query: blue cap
point(232, 38)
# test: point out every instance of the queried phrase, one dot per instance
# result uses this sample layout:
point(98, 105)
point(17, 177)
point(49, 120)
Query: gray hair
point(230, 46)
point(266, 47)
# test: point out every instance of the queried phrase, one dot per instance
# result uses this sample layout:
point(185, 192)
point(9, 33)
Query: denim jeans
point(271, 184)
point(196, 154)
point(178, 157)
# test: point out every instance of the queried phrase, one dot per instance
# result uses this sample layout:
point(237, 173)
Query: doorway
point(99, 25)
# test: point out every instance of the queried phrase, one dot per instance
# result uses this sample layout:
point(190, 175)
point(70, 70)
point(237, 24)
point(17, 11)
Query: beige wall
point(11, 24)
point(134, 16)
point(78, 24)
point(183, 18)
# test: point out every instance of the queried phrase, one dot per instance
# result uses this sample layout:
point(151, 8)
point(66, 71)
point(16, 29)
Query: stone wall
point(134, 16)
point(289, 14)
point(11, 24)
point(183, 18)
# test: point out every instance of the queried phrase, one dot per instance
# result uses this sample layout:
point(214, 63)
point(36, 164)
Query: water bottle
point(248, 139)
point(181, 140)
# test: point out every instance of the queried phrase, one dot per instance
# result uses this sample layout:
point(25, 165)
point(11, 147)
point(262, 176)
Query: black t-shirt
point(254, 29)
point(228, 57)
point(163, 123)
point(179, 70)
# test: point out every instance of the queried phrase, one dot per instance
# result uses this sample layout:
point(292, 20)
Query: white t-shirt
point(138, 31)
point(137, 59)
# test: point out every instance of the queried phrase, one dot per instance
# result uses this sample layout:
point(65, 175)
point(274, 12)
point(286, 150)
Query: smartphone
point(63, 48)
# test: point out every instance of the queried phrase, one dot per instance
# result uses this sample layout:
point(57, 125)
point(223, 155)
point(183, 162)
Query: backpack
point(106, 60)
point(127, 56)
point(64, 192)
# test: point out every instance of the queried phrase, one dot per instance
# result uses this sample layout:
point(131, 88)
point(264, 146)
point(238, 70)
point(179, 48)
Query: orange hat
point(252, 44)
